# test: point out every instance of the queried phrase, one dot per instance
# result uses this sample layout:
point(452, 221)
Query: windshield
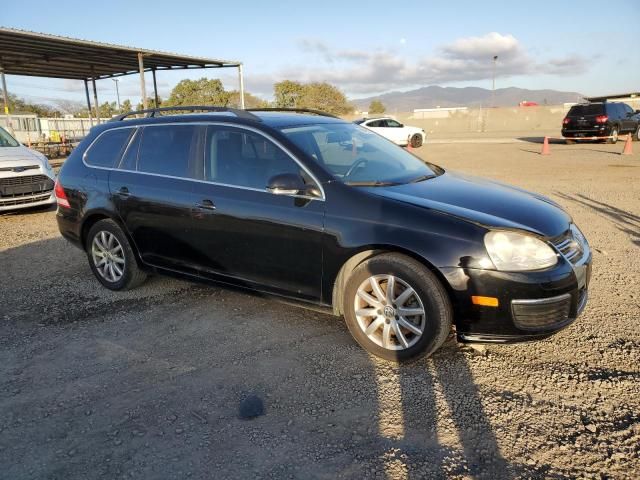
point(358, 156)
point(7, 140)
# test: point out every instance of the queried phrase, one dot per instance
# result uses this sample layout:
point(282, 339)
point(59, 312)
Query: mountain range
point(436, 96)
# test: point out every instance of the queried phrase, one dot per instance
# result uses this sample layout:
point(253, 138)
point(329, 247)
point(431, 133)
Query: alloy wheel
point(390, 312)
point(108, 256)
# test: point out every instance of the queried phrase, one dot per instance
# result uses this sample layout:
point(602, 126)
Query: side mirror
point(286, 184)
point(401, 125)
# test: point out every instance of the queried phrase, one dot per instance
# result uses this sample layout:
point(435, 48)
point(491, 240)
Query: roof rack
point(151, 112)
point(297, 110)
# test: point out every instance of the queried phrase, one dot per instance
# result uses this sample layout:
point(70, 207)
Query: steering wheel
point(355, 166)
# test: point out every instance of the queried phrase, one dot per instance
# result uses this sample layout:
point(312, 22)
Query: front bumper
point(531, 305)
point(29, 201)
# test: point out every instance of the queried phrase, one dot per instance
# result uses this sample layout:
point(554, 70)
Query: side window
point(613, 110)
point(234, 156)
point(627, 109)
point(171, 150)
point(108, 147)
point(376, 124)
point(393, 123)
point(130, 156)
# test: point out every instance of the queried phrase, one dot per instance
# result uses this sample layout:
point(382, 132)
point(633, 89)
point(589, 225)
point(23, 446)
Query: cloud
point(465, 59)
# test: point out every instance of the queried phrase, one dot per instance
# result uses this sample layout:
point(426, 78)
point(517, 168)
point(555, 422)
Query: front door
point(264, 240)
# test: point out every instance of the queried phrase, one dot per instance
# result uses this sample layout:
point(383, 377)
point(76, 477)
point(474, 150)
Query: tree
point(126, 106)
point(107, 110)
point(151, 103)
point(319, 95)
point(376, 106)
point(250, 101)
point(198, 92)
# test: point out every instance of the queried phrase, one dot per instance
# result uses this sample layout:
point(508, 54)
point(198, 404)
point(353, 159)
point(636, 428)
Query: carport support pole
point(5, 96)
point(155, 87)
point(143, 89)
point(95, 100)
point(241, 80)
point(86, 91)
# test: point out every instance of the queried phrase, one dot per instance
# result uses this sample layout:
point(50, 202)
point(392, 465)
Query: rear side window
point(108, 147)
point(584, 110)
point(171, 150)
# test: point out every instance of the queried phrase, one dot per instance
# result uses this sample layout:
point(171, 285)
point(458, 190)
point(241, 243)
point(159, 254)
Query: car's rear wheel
point(111, 257)
point(613, 137)
point(396, 309)
point(636, 136)
point(416, 141)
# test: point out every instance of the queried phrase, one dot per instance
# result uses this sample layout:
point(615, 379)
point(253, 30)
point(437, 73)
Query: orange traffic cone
point(628, 148)
point(409, 147)
point(545, 147)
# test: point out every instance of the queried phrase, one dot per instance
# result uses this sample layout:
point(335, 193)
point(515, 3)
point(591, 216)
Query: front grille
point(25, 186)
point(540, 314)
point(23, 201)
point(20, 168)
point(24, 180)
point(569, 246)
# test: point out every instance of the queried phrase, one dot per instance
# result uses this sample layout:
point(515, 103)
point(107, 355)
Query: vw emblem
point(389, 312)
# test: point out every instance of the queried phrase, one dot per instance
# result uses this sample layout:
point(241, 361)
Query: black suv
point(315, 208)
point(600, 121)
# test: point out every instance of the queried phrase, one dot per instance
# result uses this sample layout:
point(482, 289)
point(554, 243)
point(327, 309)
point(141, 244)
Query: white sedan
point(395, 131)
point(26, 177)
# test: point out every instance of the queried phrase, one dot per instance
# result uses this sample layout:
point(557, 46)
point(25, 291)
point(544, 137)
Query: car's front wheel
point(396, 308)
point(111, 257)
point(416, 140)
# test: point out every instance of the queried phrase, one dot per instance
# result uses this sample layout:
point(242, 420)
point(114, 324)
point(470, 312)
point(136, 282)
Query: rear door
point(153, 192)
point(396, 131)
point(629, 122)
point(248, 233)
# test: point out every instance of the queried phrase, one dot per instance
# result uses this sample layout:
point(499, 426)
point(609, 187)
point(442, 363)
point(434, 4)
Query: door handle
point(123, 192)
point(206, 204)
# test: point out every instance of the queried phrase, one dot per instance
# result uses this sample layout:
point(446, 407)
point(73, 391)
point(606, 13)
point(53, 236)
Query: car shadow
point(623, 220)
point(157, 361)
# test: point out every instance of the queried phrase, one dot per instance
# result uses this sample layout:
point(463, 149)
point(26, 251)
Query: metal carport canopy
point(44, 55)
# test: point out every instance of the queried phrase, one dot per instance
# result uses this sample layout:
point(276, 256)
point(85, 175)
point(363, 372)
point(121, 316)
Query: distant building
point(632, 98)
point(438, 112)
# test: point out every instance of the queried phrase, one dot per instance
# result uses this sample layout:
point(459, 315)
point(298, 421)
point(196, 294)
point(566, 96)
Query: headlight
point(511, 251)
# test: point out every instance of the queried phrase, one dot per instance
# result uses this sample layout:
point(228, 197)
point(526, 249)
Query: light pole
point(493, 88)
point(116, 80)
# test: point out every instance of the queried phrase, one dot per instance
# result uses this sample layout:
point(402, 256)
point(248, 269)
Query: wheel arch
point(371, 251)
point(94, 217)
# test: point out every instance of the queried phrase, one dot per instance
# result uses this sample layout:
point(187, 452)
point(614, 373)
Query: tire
point(416, 141)
point(613, 135)
point(107, 244)
point(636, 136)
point(427, 295)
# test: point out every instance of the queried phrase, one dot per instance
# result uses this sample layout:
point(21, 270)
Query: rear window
point(584, 110)
point(170, 150)
point(108, 147)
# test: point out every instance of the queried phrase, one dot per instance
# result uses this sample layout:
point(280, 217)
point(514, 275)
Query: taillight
point(602, 119)
point(61, 197)
point(566, 121)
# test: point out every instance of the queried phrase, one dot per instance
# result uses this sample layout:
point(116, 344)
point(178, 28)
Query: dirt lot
point(147, 384)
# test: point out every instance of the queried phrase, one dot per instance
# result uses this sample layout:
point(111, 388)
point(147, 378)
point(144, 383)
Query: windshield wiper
point(422, 178)
point(377, 183)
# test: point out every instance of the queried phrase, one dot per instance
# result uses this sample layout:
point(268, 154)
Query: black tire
point(613, 135)
point(636, 135)
point(416, 141)
point(437, 306)
point(132, 275)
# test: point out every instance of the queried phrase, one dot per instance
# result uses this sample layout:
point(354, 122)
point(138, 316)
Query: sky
point(363, 47)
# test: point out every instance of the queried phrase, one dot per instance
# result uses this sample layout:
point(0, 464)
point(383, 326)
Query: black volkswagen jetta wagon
point(311, 207)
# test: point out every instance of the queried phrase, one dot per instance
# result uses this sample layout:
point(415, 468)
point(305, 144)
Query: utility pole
point(116, 80)
point(5, 95)
point(493, 88)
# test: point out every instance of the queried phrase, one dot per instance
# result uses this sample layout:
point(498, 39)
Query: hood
point(482, 201)
point(9, 154)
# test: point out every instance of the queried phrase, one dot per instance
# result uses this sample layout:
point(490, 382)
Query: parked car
point(395, 131)
point(324, 211)
point(600, 120)
point(26, 177)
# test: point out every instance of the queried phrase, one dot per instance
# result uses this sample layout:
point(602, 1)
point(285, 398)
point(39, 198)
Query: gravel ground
point(148, 384)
